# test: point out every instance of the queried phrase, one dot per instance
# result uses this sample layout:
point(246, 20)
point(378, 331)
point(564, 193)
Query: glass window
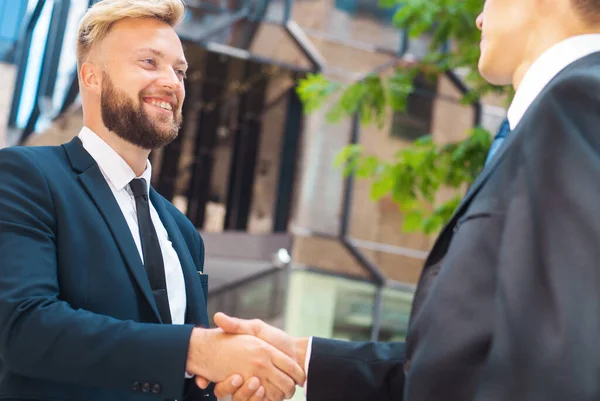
point(329, 306)
point(258, 298)
point(34, 64)
point(396, 308)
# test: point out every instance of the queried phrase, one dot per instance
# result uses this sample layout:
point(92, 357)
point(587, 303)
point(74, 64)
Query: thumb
point(201, 382)
point(232, 325)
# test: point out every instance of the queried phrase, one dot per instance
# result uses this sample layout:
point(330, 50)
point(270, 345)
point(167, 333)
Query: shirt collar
point(116, 170)
point(546, 67)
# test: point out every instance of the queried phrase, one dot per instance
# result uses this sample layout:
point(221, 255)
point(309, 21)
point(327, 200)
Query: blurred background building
point(288, 238)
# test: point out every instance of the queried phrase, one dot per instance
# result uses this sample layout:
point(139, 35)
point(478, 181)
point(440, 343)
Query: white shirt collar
point(115, 169)
point(545, 68)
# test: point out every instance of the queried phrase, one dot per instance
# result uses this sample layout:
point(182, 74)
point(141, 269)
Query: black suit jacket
point(508, 303)
point(77, 317)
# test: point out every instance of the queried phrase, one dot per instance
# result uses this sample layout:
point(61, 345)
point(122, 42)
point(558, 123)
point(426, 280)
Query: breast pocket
point(480, 211)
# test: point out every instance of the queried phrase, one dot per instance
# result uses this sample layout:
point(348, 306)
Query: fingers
point(258, 396)
point(274, 336)
point(274, 393)
point(248, 390)
point(234, 325)
point(227, 387)
point(201, 382)
point(289, 366)
point(279, 386)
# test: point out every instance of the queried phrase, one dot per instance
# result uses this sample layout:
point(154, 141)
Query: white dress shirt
point(546, 67)
point(541, 72)
point(118, 175)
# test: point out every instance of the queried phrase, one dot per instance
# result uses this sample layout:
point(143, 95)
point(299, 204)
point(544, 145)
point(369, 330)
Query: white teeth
point(163, 105)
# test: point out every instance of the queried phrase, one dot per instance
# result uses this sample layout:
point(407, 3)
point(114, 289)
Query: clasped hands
point(247, 359)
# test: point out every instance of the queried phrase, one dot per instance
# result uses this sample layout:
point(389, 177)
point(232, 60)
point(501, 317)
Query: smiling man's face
point(142, 82)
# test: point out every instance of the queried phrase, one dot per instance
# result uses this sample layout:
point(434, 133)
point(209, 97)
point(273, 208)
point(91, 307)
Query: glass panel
point(396, 307)
point(34, 64)
point(329, 306)
point(259, 298)
point(335, 307)
point(68, 61)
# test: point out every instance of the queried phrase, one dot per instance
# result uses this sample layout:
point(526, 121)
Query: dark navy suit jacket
point(77, 317)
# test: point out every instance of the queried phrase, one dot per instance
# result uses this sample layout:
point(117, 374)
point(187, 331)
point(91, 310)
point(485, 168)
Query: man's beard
point(133, 124)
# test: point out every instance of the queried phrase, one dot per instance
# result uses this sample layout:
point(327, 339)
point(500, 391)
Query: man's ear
point(90, 78)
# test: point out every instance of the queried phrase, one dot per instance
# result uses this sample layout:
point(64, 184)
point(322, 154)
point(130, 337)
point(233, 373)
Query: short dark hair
point(589, 10)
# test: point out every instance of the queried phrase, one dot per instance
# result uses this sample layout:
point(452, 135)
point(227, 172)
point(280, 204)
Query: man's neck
point(544, 40)
point(134, 156)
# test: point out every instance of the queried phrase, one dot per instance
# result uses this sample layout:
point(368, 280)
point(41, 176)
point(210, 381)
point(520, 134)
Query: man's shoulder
point(583, 73)
point(566, 114)
point(37, 154)
point(32, 155)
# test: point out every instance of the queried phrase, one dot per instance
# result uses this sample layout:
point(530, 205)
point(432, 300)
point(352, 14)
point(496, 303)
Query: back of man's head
point(589, 10)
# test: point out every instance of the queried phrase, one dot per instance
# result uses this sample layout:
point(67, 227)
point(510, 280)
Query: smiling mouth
point(163, 106)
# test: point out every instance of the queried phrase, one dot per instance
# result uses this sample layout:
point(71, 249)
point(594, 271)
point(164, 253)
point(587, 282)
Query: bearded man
point(102, 291)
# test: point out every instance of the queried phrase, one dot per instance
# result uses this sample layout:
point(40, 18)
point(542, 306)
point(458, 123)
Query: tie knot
point(138, 187)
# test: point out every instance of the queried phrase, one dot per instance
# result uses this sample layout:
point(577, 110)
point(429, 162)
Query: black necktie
point(153, 260)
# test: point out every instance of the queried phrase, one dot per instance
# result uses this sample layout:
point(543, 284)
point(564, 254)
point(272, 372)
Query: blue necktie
point(498, 139)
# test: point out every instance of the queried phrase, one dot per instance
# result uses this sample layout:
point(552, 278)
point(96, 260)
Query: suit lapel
point(443, 240)
point(485, 174)
point(195, 311)
point(95, 185)
point(482, 178)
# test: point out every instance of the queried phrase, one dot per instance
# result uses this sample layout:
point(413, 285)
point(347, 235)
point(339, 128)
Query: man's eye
point(149, 61)
point(182, 74)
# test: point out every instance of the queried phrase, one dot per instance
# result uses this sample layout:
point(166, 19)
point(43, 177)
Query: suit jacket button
point(146, 387)
point(136, 386)
point(156, 389)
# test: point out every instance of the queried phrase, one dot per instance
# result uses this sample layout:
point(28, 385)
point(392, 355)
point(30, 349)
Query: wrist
point(197, 360)
point(301, 345)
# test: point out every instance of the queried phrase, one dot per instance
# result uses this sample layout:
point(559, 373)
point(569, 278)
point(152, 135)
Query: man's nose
point(169, 79)
point(479, 21)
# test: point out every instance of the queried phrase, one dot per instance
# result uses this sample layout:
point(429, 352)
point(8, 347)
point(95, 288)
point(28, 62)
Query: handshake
point(247, 359)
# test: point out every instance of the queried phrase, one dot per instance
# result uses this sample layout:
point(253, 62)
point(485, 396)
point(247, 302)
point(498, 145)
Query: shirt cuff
point(306, 363)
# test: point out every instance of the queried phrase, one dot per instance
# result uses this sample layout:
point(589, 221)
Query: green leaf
point(413, 221)
point(348, 154)
point(380, 188)
point(415, 174)
point(388, 3)
point(368, 167)
point(314, 90)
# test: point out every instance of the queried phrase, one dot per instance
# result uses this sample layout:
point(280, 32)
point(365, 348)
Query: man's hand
point(215, 355)
point(251, 391)
point(293, 347)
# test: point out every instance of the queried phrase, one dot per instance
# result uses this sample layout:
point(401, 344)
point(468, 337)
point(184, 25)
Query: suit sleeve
point(355, 371)
point(547, 302)
point(41, 336)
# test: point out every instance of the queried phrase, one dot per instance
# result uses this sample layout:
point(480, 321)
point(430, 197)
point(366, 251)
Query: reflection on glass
point(335, 307)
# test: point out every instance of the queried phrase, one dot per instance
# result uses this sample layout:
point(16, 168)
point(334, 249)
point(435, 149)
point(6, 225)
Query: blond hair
point(98, 20)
